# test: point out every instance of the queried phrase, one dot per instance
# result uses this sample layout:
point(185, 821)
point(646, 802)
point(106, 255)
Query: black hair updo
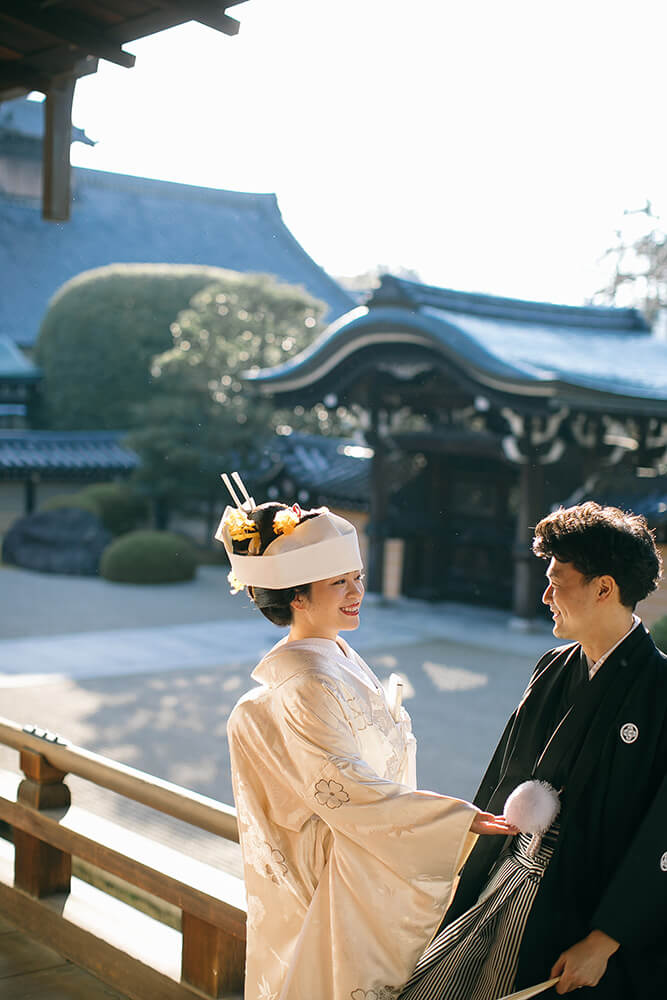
point(274, 604)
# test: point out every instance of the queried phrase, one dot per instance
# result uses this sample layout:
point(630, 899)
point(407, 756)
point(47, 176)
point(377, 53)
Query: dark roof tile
point(121, 219)
point(63, 452)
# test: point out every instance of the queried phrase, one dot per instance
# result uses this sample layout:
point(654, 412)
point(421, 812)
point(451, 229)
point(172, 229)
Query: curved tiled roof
point(25, 119)
point(121, 219)
point(14, 366)
point(62, 452)
point(592, 356)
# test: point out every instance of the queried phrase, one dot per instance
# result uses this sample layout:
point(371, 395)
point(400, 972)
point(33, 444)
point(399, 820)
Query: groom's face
point(571, 598)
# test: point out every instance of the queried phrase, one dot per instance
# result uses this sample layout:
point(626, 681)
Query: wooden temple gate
point(131, 951)
point(524, 402)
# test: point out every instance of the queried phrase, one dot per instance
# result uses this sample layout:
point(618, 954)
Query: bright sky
point(492, 146)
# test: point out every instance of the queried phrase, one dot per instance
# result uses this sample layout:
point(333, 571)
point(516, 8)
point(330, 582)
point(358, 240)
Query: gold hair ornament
point(235, 585)
point(285, 521)
point(240, 526)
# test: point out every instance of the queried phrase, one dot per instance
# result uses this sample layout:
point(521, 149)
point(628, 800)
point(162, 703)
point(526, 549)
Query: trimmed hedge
point(659, 633)
point(76, 501)
point(120, 508)
point(98, 338)
point(149, 557)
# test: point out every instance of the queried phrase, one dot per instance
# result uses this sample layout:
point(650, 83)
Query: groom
point(591, 905)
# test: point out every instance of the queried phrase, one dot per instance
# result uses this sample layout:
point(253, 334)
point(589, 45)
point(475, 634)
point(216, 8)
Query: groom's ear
point(606, 587)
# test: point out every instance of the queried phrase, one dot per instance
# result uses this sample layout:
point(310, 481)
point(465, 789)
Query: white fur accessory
point(532, 806)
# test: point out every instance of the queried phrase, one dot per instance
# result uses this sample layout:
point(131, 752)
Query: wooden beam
point(208, 12)
point(22, 77)
point(205, 892)
point(19, 76)
point(212, 960)
point(134, 954)
point(67, 27)
point(56, 178)
point(182, 803)
point(155, 20)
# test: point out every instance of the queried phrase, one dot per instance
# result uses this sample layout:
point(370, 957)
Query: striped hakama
point(476, 956)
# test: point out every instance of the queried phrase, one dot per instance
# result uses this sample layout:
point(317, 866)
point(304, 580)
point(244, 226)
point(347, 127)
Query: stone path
point(153, 684)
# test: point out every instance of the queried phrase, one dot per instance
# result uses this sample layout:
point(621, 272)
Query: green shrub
point(659, 633)
point(99, 335)
point(149, 557)
point(76, 500)
point(120, 507)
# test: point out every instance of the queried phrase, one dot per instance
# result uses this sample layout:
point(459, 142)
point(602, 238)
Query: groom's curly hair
point(603, 541)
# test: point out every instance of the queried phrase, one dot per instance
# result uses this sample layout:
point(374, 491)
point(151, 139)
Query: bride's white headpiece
point(307, 548)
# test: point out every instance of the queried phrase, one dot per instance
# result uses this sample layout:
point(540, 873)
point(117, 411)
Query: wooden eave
point(47, 46)
point(366, 338)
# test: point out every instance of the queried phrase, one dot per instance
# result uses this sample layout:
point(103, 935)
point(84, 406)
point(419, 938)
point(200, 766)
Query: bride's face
point(332, 605)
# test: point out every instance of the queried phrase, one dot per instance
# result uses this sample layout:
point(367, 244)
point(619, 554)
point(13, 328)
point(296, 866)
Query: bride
point(348, 868)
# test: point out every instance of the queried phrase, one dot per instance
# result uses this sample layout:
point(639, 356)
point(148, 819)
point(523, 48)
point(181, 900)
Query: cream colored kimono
point(348, 871)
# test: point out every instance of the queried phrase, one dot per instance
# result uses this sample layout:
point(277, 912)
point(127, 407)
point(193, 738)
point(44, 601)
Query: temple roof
point(23, 119)
point(622, 486)
point(589, 356)
point(61, 452)
point(117, 218)
point(306, 467)
point(322, 469)
point(14, 366)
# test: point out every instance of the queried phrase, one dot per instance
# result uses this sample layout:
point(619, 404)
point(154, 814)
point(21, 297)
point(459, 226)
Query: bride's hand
point(487, 823)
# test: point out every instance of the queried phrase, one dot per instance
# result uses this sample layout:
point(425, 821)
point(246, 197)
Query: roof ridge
point(274, 209)
point(134, 182)
point(28, 434)
point(401, 291)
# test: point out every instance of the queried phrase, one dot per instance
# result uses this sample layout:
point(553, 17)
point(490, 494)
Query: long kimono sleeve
point(633, 908)
point(394, 856)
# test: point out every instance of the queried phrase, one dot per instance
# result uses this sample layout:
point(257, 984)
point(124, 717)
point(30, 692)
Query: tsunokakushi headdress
point(309, 544)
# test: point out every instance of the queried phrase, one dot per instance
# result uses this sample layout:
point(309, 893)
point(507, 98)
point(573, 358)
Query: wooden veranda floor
point(31, 971)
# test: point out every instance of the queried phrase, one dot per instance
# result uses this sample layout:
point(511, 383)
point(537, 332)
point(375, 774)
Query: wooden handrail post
point(213, 960)
point(39, 868)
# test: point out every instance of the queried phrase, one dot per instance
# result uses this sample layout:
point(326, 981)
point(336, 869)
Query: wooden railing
point(137, 955)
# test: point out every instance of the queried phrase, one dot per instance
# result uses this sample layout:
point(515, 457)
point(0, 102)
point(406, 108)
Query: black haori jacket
point(609, 870)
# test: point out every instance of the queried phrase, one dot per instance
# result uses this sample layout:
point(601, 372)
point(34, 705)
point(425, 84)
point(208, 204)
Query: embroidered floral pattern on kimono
point(265, 991)
point(330, 794)
point(348, 896)
point(358, 720)
point(266, 860)
point(256, 911)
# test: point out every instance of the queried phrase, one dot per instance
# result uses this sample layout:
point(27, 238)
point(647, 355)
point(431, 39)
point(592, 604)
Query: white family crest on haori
point(629, 732)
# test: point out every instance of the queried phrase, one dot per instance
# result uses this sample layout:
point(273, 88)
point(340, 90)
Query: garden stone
point(66, 541)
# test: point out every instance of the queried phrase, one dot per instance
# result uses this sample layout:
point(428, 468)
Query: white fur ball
point(532, 806)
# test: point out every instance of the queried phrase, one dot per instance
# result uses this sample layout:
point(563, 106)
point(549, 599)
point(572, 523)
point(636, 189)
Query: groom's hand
point(585, 963)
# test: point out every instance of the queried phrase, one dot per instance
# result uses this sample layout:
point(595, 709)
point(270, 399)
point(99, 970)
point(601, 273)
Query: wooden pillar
point(437, 552)
point(528, 570)
point(378, 506)
point(29, 494)
point(39, 868)
point(213, 960)
point(56, 178)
